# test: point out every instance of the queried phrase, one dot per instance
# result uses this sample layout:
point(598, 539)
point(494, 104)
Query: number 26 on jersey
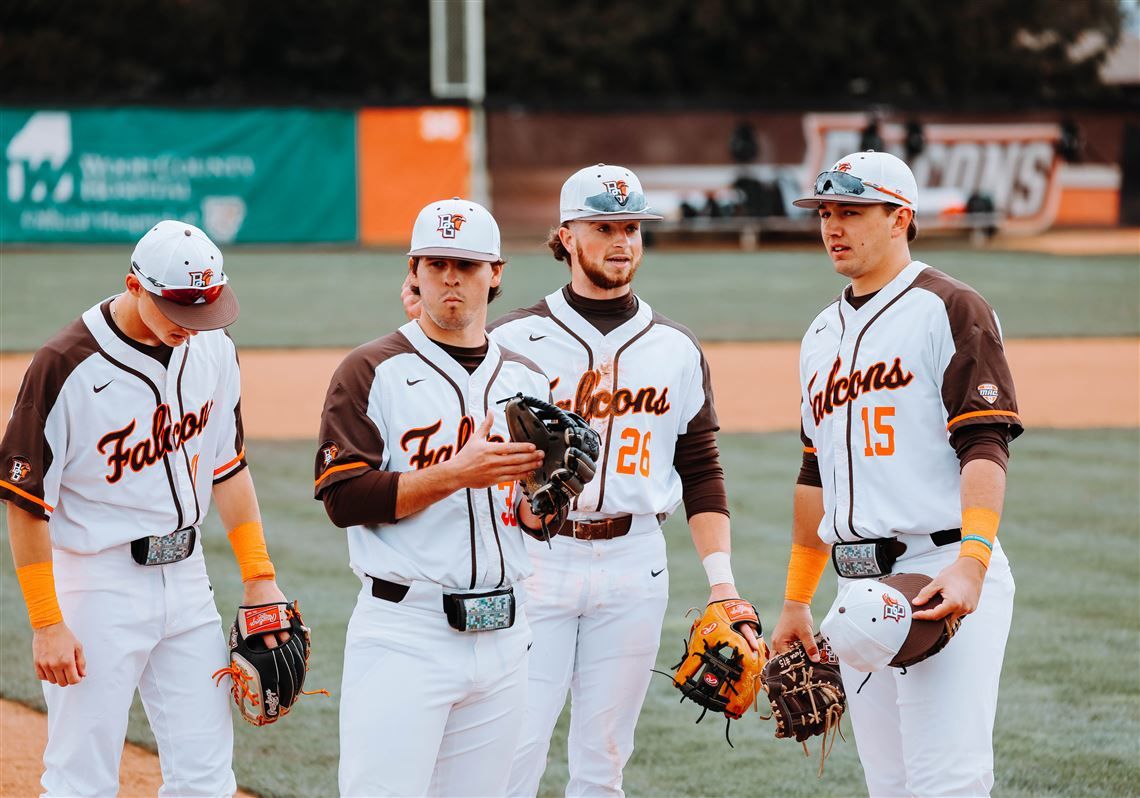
point(633, 456)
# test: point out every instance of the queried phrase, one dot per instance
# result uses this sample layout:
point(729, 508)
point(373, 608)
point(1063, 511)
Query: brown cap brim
point(455, 254)
point(843, 199)
point(619, 216)
point(923, 634)
point(222, 312)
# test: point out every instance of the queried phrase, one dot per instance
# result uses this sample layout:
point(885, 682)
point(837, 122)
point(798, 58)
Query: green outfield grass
point(311, 297)
point(1069, 717)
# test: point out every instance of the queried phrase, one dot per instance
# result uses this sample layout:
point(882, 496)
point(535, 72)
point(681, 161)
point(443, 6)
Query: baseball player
point(598, 595)
point(128, 421)
point(908, 407)
point(415, 462)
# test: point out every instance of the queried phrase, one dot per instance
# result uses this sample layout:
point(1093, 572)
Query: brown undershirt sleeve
point(697, 460)
point(982, 442)
point(366, 500)
point(809, 471)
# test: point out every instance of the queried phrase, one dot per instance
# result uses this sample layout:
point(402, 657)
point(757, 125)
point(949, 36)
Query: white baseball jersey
point(883, 386)
point(596, 607)
point(110, 445)
point(401, 403)
point(639, 387)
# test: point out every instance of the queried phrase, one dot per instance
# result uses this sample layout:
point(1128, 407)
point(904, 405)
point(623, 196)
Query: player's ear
point(497, 273)
point(901, 221)
point(134, 287)
point(566, 236)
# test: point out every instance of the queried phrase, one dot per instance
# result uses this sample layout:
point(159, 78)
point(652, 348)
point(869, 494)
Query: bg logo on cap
point(201, 279)
point(450, 224)
point(892, 608)
point(619, 188)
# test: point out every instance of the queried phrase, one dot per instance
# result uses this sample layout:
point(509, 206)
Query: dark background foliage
point(578, 53)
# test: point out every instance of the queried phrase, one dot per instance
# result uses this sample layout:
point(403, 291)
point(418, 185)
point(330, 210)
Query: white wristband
point(718, 567)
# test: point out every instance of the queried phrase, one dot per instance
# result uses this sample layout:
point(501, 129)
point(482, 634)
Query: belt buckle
point(164, 549)
point(858, 560)
point(586, 530)
point(484, 612)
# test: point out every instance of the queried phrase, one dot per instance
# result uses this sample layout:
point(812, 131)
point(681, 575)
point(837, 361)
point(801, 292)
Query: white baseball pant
point(929, 731)
point(425, 709)
point(154, 628)
point(595, 608)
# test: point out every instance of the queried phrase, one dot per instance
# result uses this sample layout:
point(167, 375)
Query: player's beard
point(596, 272)
point(452, 322)
point(451, 319)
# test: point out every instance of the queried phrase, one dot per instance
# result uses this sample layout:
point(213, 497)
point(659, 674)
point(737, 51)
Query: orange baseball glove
point(719, 670)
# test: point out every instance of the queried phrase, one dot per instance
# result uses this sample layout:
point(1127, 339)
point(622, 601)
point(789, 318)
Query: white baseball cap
point(871, 623)
point(179, 266)
point(456, 228)
point(604, 192)
point(865, 178)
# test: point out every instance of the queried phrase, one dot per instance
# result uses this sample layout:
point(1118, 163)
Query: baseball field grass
point(316, 297)
point(1069, 715)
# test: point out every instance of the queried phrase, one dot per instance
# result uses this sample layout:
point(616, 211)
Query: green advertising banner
point(87, 176)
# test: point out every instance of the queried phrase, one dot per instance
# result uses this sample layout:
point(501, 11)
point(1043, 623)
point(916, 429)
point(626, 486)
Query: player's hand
point(795, 625)
point(727, 590)
point(265, 591)
point(527, 514)
point(411, 300)
point(482, 463)
point(960, 584)
point(58, 655)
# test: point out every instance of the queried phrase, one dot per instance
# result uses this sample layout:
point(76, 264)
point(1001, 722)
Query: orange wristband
point(805, 567)
point(248, 543)
point(37, 582)
point(979, 531)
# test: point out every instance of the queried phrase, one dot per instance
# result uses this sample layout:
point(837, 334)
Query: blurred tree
point(791, 53)
point(214, 51)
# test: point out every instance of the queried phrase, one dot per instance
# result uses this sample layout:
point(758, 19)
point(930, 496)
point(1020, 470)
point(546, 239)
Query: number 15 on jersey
point(878, 432)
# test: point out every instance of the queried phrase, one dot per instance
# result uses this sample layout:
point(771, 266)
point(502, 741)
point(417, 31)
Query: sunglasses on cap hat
point(183, 295)
point(844, 184)
point(620, 200)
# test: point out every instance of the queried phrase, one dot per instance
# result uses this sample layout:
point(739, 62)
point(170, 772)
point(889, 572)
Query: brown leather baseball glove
point(807, 697)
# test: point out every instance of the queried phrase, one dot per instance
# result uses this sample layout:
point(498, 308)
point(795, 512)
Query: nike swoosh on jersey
point(413, 382)
point(821, 328)
point(657, 573)
point(101, 387)
point(536, 337)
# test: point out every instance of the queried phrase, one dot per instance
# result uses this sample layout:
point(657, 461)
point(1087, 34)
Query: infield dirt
point(1066, 383)
point(1075, 383)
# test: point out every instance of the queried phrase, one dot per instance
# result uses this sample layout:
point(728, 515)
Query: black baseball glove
point(266, 682)
point(571, 450)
